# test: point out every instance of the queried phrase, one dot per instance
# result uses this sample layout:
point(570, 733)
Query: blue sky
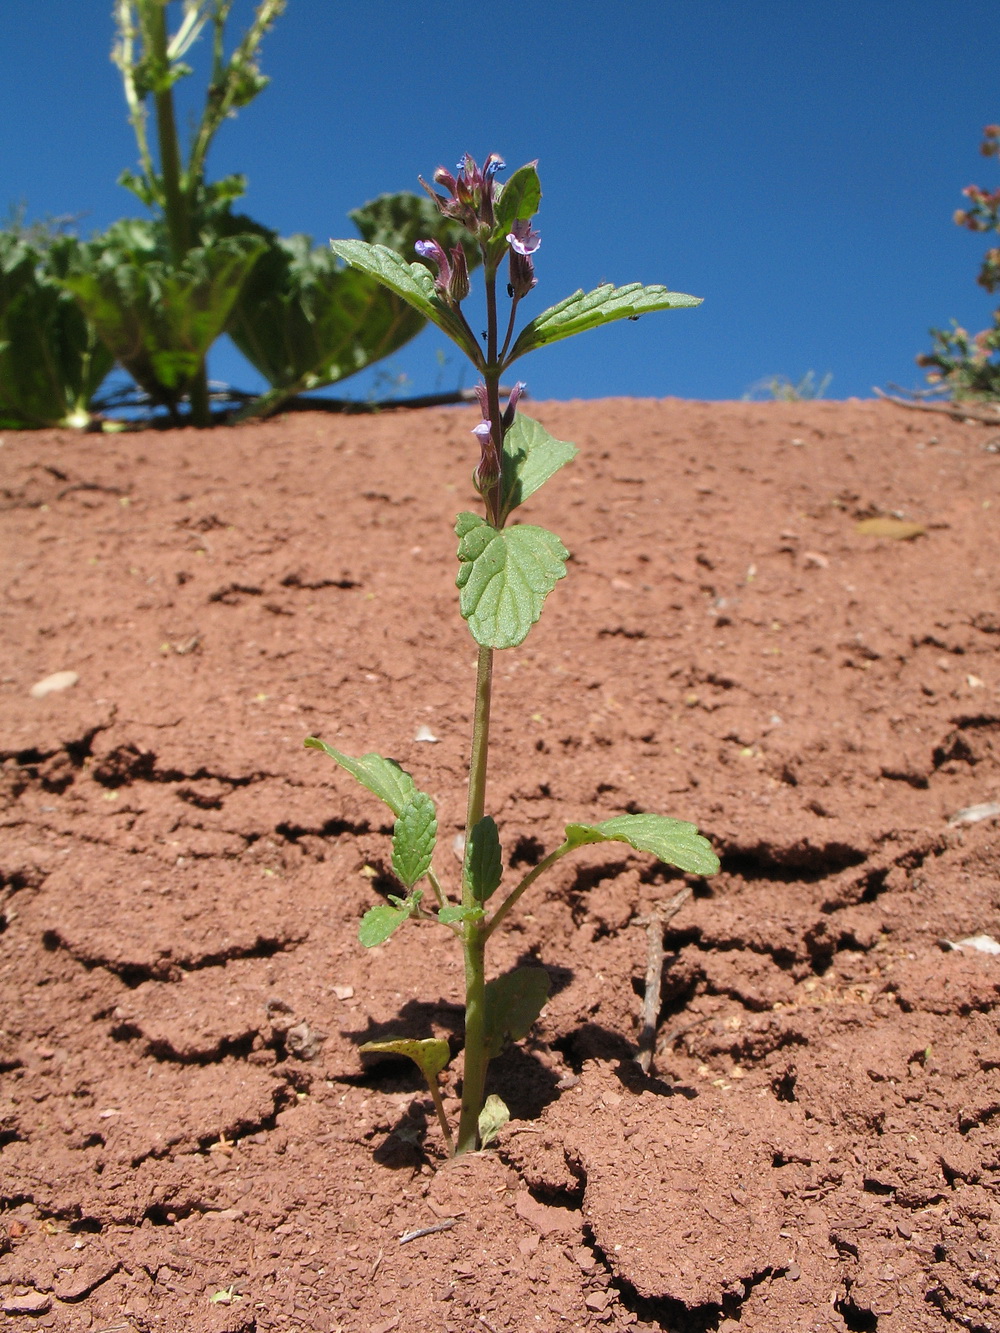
point(795, 164)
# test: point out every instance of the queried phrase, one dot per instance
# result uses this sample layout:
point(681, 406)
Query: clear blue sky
point(795, 164)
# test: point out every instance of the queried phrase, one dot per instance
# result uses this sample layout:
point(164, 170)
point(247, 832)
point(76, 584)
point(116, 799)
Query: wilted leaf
point(896, 529)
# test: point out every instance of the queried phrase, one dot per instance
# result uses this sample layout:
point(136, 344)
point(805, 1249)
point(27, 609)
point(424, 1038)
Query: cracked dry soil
point(189, 1139)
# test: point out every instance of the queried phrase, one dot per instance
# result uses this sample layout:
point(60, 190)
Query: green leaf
point(157, 317)
point(414, 283)
point(603, 305)
point(378, 923)
point(492, 1119)
point(672, 841)
point(519, 198)
point(383, 777)
point(413, 839)
point(430, 1055)
point(483, 862)
point(52, 361)
point(505, 577)
point(454, 912)
point(530, 456)
point(305, 321)
point(513, 1002)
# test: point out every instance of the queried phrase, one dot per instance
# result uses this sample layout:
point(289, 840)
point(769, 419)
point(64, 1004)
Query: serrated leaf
point(505, 577)
point(413, 839)
point(483, 860)
point(672, 841)
point(513, 1002)
point(378, 923)
point(587, 310)
point(383, 777)
point(430, 1055)
point(519, 198)
point(492, 1119)
point(530, 456)
point(414, 283)
point(454, 912)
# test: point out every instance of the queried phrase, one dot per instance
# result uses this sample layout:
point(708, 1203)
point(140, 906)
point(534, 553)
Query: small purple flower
point(470, 193)
point(523, 238)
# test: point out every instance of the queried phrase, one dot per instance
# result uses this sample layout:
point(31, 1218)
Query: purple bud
point(488, 472)
point(434, 251)
point(512, 402)
point(458, 283)
point(522, 274)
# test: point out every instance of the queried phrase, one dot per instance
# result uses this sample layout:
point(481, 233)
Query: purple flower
point(470, 193)
point(523, 238)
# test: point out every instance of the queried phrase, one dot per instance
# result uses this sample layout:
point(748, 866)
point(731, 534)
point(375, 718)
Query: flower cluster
point(472, 199)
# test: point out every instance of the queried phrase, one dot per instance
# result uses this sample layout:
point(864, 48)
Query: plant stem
point(476, 1061)
point(473, 936)
point(175, 205)
point(490, 926)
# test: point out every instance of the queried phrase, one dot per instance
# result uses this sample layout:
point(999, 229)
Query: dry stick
point(989, 416)
point(655, 926)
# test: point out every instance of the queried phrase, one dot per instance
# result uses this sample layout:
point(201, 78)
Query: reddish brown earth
point(189, 1138)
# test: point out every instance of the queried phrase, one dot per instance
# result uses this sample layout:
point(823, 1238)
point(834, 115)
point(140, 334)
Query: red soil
point(189, 1139)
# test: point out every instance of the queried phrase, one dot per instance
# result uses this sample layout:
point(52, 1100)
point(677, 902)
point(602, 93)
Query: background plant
point(506, 572)
point(154, 294)
point(962, 365)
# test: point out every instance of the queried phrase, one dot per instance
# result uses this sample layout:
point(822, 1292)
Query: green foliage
point(483, 869)
point(378, 923)
point(383, 777)
point(158, 317)
point(492, 1119)
point(961, 365)
point(412, 283)
point(505, 576)
point(530, 457)
point(303, 321)
point(513, 1002)
point(51, 360)
point(672, 841)
point(430, 1054)
point(413, 839)
point(589, 310)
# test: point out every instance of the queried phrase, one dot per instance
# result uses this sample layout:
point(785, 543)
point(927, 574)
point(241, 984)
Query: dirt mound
point(189, 1138)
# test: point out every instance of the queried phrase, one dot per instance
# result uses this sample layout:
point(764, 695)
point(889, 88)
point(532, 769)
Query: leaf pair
point(414, 835)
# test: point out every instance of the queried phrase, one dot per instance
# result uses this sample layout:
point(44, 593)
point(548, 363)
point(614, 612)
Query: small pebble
point(59, 680)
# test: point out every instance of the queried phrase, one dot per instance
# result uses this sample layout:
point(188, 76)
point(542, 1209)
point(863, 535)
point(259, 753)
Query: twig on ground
point(446, 1225)
point(958, 411)
point(655, 925)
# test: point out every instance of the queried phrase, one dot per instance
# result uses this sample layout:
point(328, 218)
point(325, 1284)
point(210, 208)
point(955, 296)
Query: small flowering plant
point(505, 574)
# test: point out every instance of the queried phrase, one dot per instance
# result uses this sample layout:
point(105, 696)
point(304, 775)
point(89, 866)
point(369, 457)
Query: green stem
point(476, 1061)
point(490, 926)
point(435, 1091)
point(175, 204)
point(473, 936)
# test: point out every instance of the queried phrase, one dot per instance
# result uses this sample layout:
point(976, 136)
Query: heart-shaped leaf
point(513, 1002)
point(505, 577)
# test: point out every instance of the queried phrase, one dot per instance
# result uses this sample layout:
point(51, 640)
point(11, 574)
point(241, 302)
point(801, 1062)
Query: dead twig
point(957, 411)
point(446, 1225)
point(655, 926)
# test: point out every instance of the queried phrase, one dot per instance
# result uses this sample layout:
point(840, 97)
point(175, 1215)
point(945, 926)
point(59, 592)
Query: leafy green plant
point(304, 321)
point(128, 278)
point(506, 571)
point(51, 360)
point(961, 365)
